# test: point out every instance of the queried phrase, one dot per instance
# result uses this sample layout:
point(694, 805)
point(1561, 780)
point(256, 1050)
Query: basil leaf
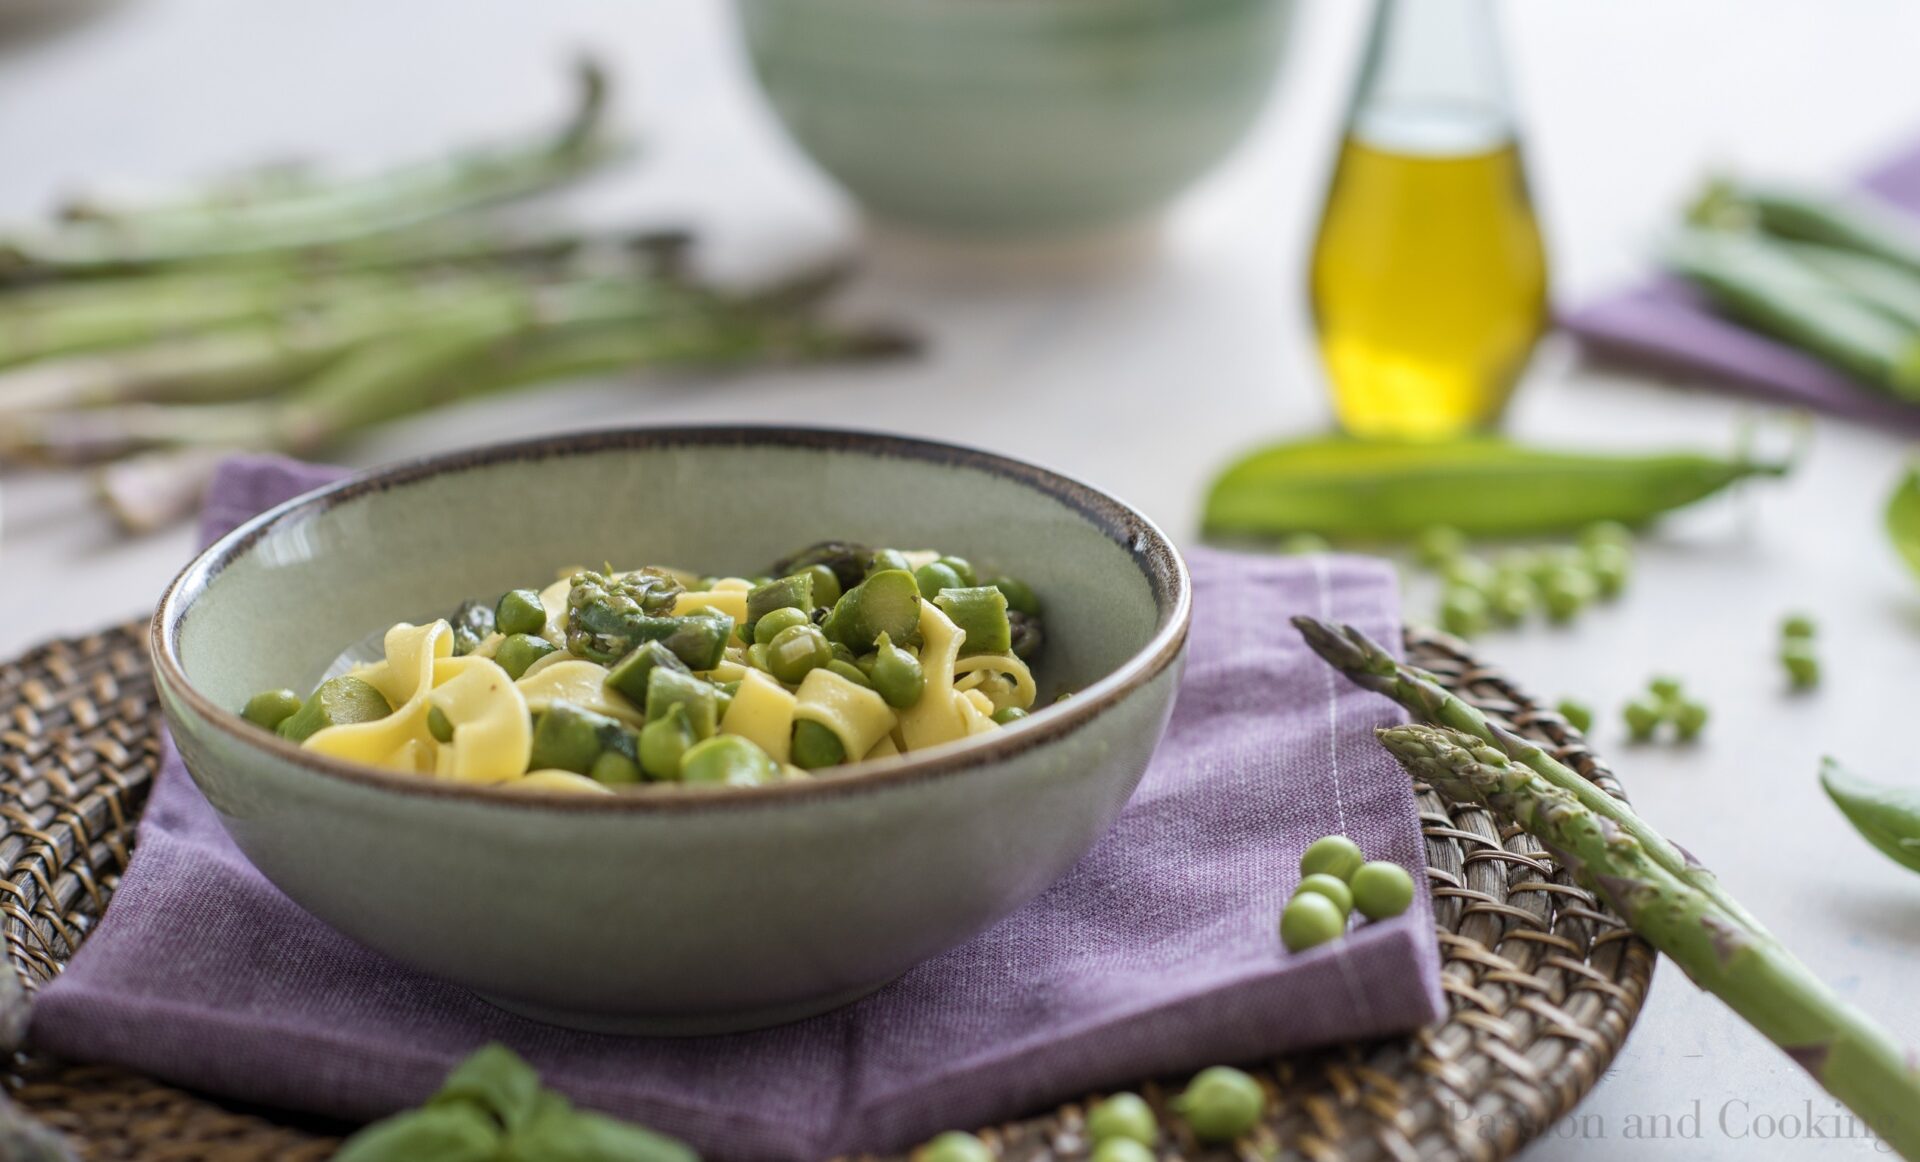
point(495, 1078)
point(455, 1132)
point(1903, 518)
point(559, 1133)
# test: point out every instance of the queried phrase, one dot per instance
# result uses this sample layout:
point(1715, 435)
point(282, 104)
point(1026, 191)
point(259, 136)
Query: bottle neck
point(1433, 82)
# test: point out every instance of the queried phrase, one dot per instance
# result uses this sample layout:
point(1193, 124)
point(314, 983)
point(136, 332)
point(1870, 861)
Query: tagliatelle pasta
point(601, 680)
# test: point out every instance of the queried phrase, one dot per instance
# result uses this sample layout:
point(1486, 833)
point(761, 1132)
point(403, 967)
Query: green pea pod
point(1889, 817)
point(455, 1132)
point(1903, 518)
point(495, 1078)
point(1339, 487)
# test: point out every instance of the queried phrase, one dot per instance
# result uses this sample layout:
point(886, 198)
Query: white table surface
point(1145, 380)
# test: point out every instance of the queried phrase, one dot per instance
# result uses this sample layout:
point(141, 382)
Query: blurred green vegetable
point(1889, 817)
point(1482, 487)
point(1903, 518)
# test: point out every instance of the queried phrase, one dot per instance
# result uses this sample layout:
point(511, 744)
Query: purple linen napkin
point(1667, 324)
point(1157, 953)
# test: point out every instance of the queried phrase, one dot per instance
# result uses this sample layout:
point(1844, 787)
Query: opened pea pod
point(607, 678)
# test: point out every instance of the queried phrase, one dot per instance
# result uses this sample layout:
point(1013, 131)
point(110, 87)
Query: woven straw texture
point(1543, 983)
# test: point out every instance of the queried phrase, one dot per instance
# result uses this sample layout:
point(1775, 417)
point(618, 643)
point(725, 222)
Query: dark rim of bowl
point(1152, 553)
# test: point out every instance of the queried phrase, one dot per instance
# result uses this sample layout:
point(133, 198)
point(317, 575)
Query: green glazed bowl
point(671, 909)
point(1016, 117)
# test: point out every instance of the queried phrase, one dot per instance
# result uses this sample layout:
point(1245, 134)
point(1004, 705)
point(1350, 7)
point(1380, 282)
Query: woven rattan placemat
point(1543, 984)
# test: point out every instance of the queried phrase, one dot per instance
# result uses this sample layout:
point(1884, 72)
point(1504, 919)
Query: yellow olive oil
point(1429, 287)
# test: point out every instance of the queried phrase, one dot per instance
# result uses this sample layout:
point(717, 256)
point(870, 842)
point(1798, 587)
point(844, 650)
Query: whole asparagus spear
point(1369, 666)
point(319, 214)
point(1845, 1051)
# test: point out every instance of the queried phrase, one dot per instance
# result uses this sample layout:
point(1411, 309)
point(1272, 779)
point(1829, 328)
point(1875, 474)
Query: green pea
point(954, 1146)
point(338, 702)
point(614, 769)
point(728, 760)
point(884, 560)
point(1309, 919)
point(1606, 532)
point(1333, 855)
point(815, 746)
point(569, 738)
point(520, 611)
point(826, 586)
point(1611, 567)
point(520, 651)
point(1643, 718)
point(1463, 611)
point(897, 674)
point(934, 576)
point(757, 657)
point(1221, 1103)
point(962, 567)
point(1382, 889)
point(665, 741)
point(1120, 1150)
point(1303, 545)
point(1468, 572)
point(1556, 558)
point(851, 673)
point(439, 725)
point(1567, 591)
point(1578, 714)
point(1803, 666)
point(794, 653)
point(1126, 1116)
point(1438, 545)
point(270, 708)
point(1008, 715)
point(1332, 887)
point(770, 625)
point(1665, 688)
point(1797, 625)
point(1688, 719)
point(1512, 599)
point(1020, 595)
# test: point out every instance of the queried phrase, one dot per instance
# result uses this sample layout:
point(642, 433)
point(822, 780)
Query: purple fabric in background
point(1666, 324)
point(1157, 953)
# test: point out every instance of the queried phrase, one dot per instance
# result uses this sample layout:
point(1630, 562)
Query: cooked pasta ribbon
point(401, 740)
point(732, 602)
point(859, 717)
point(578, 681)
point(492, 731)
point(551, 780)
point(936, 718)
point(762, 713)
point(1024, 689)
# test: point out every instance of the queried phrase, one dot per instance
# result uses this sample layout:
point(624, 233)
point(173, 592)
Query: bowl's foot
point(681, 1024)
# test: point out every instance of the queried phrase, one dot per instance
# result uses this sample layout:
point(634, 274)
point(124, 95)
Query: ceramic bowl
point(1015, 117)
point(669, 909)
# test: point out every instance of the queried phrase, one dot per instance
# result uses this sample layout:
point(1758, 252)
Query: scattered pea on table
point(1123, 1115)
point(1334, 855)
point(954, 1146)
point(1578, 714)
point(1221, 1103)
point(1381, 890)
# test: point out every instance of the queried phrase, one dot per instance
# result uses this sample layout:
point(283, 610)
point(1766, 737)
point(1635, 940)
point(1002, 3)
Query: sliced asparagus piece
point(1845, 1051)
point(1371, 667)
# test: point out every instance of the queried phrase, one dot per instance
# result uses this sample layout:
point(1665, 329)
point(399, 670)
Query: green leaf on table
point(1903, 518)
point(556, 1132)
point(496, 1079)
point(455, 1132)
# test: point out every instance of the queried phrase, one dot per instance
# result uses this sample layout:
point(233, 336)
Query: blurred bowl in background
point(1016, 118)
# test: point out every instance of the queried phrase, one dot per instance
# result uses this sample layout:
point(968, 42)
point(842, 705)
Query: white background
point(1143, 382)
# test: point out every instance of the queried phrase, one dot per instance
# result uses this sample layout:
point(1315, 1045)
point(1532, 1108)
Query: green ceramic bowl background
point(671, 909)
point(1016, 116)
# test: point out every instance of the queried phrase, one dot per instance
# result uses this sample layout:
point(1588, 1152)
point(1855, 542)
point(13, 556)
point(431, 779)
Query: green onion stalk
point(1371, 667)
point(1721, 950)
